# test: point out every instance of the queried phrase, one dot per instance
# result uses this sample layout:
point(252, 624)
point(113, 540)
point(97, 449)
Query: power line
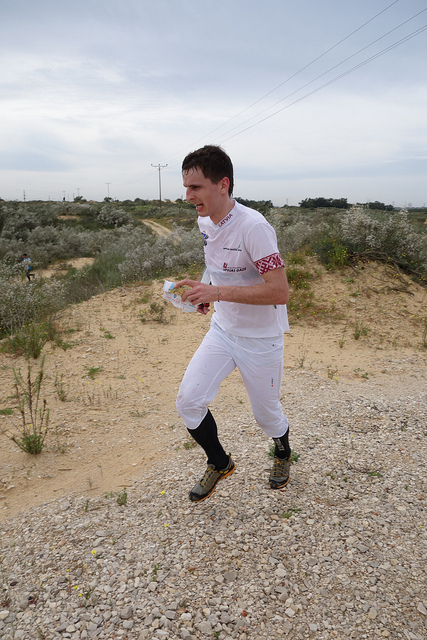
point(224, 124)
point(342, 75)
point(329, 70)
point(175, 156)
point(298, 72)
point(333, 80)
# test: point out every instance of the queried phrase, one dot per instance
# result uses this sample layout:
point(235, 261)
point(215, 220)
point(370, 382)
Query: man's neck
point(229, 205)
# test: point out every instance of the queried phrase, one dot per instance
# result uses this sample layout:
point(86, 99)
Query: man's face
point(209, 199)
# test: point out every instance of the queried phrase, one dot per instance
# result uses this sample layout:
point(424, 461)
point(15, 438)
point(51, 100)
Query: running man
point(249, 289)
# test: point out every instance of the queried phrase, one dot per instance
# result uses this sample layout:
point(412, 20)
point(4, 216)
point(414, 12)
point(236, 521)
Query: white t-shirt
point(238, 250)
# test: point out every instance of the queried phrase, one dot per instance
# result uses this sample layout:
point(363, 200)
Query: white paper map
point(168, 294)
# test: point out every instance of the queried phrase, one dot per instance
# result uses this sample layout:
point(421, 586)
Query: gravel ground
point(340, 553)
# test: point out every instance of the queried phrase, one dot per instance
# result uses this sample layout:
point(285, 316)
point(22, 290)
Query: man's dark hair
point(214, 163)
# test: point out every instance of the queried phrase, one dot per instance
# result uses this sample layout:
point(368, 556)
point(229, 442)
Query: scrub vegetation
point(125, 250)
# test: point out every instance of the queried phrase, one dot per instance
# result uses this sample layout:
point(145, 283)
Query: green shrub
point(332, 253)
point(298, 278)
point(131, 252)
point(103, 274)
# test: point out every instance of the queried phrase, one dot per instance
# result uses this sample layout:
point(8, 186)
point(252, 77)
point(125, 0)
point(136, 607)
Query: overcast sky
point(95, 92)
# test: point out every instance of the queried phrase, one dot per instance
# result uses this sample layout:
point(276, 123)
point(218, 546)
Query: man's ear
point(225, 184)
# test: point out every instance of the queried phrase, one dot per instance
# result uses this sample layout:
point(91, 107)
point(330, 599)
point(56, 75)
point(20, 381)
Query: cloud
point(98, 92)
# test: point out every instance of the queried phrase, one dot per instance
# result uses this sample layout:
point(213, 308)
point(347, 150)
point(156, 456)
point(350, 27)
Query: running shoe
point(279, 475)
point(206, 486)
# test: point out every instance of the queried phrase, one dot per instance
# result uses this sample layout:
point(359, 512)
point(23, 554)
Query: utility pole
point(160, 167)
point(108, 190)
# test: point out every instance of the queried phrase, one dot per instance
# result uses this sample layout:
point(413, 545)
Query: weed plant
point(61, 388)
point(290, 512)
point(33, 410)
point(359, 330)
point(300, 360)
point(91, 372)
point(155, 313)
point(302, 305)
point(122, 498)
point(59, 447)
point(298, 257)
point(298, 278)
point(190, 444)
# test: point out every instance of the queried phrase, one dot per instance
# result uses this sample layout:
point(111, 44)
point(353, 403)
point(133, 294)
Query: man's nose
point(189, 195)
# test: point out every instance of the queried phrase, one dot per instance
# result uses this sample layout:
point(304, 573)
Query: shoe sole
point(215, 485)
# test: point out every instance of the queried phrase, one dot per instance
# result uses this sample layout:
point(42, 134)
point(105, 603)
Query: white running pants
point(260, 363)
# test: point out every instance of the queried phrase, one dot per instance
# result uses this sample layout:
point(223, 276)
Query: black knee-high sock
point(282, 450)
point(206, 435)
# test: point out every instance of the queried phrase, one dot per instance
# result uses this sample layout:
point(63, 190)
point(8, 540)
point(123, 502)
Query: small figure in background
point(27, 267)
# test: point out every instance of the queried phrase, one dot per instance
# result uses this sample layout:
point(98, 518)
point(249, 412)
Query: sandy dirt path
point(120, 377)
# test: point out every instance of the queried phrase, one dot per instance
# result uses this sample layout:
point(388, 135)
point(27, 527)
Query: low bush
point(148, 260)
point(103, 274)
point(114, 216)
point(31, 338)
point(22, 303)
point(388, 237)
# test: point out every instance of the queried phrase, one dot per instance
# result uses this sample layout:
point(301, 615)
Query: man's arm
point(274, 290)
